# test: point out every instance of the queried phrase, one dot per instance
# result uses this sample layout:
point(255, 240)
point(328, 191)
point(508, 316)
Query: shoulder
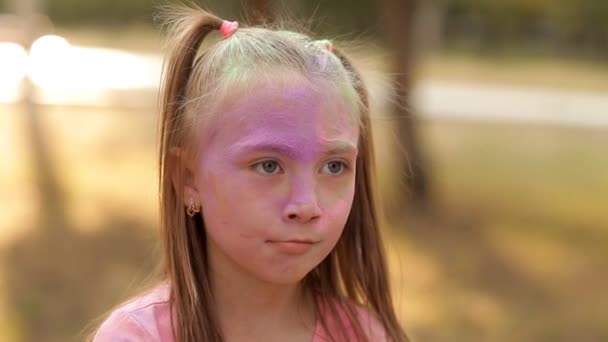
point(372, 327)
point(145, 318)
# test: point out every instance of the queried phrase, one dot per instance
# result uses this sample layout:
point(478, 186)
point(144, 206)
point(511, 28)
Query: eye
point(334, 167)
point(268, 167)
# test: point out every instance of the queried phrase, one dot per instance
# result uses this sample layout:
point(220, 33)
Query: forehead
point(286, 111)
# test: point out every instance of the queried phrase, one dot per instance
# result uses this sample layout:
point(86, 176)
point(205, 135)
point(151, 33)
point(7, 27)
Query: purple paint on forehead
point(274, 101)
point(291, 120)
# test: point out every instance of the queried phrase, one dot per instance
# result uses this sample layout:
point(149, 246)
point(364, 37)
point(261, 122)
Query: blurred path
point(70, 75)
point(469, 101)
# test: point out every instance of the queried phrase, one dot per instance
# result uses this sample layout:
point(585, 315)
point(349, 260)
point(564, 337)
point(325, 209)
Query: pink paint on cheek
point(335, 219)
point(340, 209)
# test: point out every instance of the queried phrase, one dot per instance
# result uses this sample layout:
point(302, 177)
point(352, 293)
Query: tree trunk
point(51, 201)
point(397, 17)
point(263, 11)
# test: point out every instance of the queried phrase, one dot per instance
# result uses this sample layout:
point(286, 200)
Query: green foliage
point(543, 25)
point(113, 11)
point(343, 16)
point(337, 16)
point(99, 11)
point(550, 25)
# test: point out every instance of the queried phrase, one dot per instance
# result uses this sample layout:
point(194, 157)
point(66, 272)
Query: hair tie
point(228, 28)
point(325, 44)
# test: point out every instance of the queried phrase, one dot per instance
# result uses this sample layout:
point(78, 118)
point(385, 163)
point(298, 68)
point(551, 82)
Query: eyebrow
point(338, 147)
point(329, 148)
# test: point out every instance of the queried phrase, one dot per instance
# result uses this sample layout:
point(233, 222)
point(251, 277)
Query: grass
point(557, 72)
point(521, 235)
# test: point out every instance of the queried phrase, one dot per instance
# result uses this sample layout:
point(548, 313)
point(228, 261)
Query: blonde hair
point(196, 82)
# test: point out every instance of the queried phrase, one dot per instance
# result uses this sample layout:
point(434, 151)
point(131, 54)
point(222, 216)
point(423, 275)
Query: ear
point(183, 176)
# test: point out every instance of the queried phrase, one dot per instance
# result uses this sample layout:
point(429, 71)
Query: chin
point(286, 277)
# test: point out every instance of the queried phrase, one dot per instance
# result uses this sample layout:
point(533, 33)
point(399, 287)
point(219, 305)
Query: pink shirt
point(147, 318)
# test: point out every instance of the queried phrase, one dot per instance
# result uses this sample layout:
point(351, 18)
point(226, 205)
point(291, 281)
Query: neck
point(255, 304)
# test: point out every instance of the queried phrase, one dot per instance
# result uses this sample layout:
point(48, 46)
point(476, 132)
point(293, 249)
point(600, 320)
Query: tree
point(398, 19)
point(263, 11)
point(51, 197)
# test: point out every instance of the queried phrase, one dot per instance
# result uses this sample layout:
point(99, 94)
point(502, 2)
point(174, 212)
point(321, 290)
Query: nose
point(302, 207)
point(301, 212)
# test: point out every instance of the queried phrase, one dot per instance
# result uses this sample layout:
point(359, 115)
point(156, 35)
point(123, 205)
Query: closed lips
point(294, 241)
point(292, 247)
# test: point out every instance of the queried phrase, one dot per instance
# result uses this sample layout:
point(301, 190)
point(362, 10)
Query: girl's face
point(276, 182)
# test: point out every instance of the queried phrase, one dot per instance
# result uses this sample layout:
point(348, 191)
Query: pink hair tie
point(228, 28)
point(326, 44)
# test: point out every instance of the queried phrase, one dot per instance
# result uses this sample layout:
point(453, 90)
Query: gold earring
point(192, 208)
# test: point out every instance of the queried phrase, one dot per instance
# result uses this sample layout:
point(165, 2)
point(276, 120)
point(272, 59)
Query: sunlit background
point(497, 220)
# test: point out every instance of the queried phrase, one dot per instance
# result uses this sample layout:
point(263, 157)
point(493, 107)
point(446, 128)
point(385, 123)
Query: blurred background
point(491, 127)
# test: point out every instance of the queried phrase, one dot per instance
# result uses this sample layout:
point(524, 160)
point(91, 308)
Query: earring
point(192, 208)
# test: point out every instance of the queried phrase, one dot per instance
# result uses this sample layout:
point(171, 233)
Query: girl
point(268, 222)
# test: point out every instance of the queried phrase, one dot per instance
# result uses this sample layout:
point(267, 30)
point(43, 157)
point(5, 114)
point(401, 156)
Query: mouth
point(292, 246)
point(295, 241)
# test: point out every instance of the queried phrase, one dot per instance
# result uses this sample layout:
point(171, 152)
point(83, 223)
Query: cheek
point(225, 210)
point(215, 184)
point(335, 222)
point(233, 204)
point(235, 189)
point(214, 198)
point(338, 206)
point(337, 194)
point(216, 181)
point(338, 213)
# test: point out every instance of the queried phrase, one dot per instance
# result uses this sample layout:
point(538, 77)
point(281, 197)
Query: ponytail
point(188, 28)
point(193, 314)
